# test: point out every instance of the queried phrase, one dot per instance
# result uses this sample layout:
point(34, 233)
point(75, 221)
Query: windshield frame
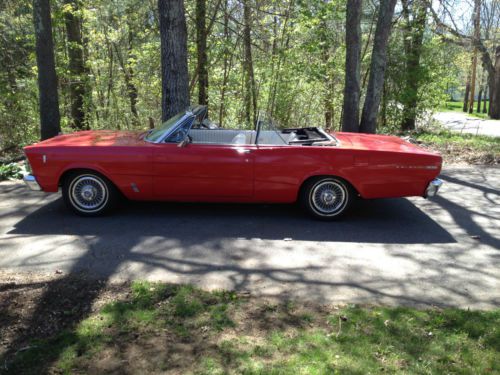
point(190, 114)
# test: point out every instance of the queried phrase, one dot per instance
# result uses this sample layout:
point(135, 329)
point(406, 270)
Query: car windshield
point(155, 134)
point(269, 130)
point(198, 113)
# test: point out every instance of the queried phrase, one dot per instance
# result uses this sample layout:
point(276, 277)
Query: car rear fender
point(327, 173)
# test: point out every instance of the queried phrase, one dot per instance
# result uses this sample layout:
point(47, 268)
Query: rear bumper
point(433, 187)
point(32, 183)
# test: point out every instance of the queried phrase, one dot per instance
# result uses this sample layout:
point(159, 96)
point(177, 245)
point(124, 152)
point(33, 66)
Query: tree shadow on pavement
point(395, 221)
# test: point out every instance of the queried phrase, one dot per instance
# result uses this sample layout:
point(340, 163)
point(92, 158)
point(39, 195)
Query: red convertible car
point(188, 158)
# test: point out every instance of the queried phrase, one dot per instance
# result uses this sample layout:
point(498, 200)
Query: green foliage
point(435, 74)
point(18, 85)
point(10, 170)
point(298, 52)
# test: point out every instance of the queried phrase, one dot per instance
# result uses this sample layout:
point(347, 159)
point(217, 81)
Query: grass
point(162, 327)
point(445, 137)
point(461, 147)
point(458, 107)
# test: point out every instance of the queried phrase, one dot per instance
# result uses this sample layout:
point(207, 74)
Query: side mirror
point(184, 142)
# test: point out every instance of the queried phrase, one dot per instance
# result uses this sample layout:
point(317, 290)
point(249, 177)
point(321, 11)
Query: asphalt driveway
point(463, 123)
point(443, 251)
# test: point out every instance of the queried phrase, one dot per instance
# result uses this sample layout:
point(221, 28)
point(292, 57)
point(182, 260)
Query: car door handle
point(244, 151)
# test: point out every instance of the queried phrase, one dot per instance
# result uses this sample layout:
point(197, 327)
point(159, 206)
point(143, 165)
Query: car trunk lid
point(374, 142)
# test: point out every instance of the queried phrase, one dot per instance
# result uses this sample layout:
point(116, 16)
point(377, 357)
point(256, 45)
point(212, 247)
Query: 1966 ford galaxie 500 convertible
point(188, 158)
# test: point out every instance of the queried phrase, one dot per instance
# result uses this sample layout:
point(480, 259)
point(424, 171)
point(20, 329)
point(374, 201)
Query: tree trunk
point(250, 90)
point(128, 74)
point(477, 35)
point(479, 97)
point(414, 37)
point(466, 94)
point(495, 88)
point(384, 104)
point(132, 91)
point(201, 45)
point(350, 118)
point(485, 107)
point(226, 64)
point(73, 23)
point(378, 66)
point(327, 101)
point(50, 117)
point(175, 79)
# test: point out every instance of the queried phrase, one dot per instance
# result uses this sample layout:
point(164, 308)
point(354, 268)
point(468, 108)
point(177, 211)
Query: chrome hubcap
point(88, 193)
point(327, 197)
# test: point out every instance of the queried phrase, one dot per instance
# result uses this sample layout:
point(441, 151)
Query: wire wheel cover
point(88, 193)
point(328, 197)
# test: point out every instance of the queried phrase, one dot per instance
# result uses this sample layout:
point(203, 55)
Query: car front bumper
point(433, 187)
point(32, 183)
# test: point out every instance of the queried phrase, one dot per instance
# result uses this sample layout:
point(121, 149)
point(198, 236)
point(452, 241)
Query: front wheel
point(88, 194)
point(326, 198)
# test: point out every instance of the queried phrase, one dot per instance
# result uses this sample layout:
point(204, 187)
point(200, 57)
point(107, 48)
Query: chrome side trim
point(433, 187)
point(31, 182)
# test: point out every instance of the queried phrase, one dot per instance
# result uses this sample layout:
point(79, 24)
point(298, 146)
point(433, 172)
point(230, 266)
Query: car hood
point(372, 142)
point(94, 138)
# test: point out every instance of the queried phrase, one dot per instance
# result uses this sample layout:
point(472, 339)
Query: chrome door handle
point(245, 151)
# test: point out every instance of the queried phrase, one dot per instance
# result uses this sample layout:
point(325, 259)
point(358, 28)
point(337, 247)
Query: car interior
point(204, 131)
point(237, 137)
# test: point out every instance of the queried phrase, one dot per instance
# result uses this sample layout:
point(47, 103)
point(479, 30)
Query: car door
point(203, 172)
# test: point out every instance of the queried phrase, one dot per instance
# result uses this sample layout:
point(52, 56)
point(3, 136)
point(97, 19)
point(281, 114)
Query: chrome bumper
point(433, 187)
point(31, 182)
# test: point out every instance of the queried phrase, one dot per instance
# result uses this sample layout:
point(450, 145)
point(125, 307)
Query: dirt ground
point(39, 305)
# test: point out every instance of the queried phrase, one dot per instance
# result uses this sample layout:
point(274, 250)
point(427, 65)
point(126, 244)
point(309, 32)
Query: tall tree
point(350, 120)
point(485, 106)
point(481, 91)
point(128, 75)
point(250, 89)
point(227, 64)
point(415, 16)
point(73, 23)
point(477, 36)
point(491, 64)
point(495, 88)
point(467, 92)
point(377, 67)
point(47, 79)
point(201, 46)
point(173, 35)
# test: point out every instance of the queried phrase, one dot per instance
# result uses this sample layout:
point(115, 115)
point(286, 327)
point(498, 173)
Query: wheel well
point(69, 172)
point(317, 177)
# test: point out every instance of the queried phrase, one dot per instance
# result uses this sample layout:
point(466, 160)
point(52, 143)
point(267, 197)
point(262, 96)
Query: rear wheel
point(89, 193)
point(326, 198)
